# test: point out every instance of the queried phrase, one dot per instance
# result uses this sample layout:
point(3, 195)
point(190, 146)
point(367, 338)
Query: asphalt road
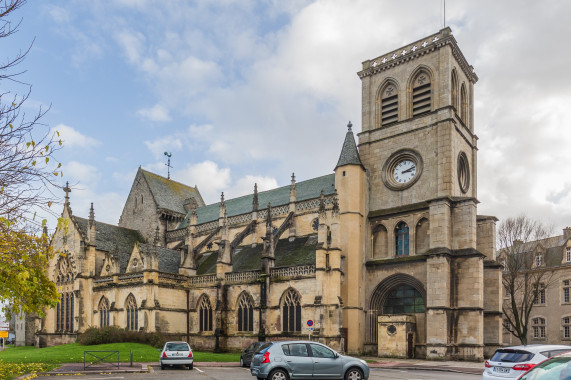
point(236, 373)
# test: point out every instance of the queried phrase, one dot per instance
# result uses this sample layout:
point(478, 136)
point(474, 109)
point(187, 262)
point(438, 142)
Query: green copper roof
point(305, 190)
point(169, 194)
point(301, 251)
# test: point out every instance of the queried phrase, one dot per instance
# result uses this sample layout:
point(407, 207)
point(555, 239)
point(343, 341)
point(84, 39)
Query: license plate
point(501, 370)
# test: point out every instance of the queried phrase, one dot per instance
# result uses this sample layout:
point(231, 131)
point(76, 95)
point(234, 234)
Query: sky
point(242, 92)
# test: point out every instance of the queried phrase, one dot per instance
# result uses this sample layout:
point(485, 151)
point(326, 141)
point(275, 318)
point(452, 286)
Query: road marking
point(198, 370)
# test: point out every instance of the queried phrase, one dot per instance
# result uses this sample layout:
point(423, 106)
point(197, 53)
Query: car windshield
point(263, 347)
point(177, 347)
point(511, 356)
point(554, 368)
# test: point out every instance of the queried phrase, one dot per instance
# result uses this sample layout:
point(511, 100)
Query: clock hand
point(409, 169)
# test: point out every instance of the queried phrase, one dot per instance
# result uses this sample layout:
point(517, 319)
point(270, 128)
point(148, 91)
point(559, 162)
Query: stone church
point(386, 255)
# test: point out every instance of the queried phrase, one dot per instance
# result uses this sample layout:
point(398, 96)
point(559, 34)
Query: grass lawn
point(73, 353)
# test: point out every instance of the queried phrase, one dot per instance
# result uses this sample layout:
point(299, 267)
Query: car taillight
point(164, 354)
point(266, 358)
point(487, 364)
point(523, 367)
point(190, 354)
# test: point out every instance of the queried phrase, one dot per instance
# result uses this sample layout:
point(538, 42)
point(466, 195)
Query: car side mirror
point(336, 355)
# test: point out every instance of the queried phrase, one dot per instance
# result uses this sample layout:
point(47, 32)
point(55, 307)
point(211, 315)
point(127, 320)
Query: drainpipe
point(187, 316)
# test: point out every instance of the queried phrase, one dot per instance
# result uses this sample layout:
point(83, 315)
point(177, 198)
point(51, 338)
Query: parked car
point(305, 360)
point(176, 353)
point(248, 353)
point(512, 362)
point(557, 367)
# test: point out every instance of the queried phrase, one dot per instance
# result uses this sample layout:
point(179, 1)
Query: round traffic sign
point(309, 322)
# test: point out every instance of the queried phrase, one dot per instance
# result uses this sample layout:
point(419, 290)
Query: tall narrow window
point(421, 94)
point(205, 314)
point(387, 104)
point(71, 312)
point(538, 325)
point(566, 291)
point(568, 254)
point(463, 104)
point(540, 297)
point(245, 313)
point(538, 259)
point(454, 90)
point(103, 312)
point(132, 313)
point(565, 322)
point(67, 312)
point(291, 312)
point(401, 239)
point(59, 314)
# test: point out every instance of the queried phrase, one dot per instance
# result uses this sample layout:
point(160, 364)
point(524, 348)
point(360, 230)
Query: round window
point(391, 330)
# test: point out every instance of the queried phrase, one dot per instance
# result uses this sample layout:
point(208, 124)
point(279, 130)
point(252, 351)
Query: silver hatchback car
point(177, 353)
point(305, 360)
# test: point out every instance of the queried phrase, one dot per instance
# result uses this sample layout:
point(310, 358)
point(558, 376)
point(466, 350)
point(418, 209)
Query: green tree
point(28, 171)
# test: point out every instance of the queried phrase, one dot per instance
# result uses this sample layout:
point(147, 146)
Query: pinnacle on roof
point(349, 153)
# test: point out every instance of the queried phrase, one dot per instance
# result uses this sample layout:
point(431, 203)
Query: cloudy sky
point(244, 91)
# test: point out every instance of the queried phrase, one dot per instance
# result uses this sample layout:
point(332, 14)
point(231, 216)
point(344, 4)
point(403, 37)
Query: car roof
point(537, 347)
point(175, 341)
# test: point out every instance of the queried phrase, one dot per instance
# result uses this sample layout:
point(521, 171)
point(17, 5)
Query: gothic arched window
point(245, 313)
point(103, 312)
point(380, 242)
point(421, 94)
point(291, 311)
point(387, 104)
point(205, 314)
point(422, 236)
point(463, 104)
point(454, 90)
point(401, 239)
point(132, 313)
point(403, 299)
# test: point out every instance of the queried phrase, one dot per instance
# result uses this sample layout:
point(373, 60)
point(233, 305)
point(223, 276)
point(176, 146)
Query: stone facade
point(392, 236)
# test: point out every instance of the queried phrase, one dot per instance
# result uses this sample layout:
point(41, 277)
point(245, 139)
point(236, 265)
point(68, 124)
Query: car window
point(555, 368)
point(512, 356)
point(551, 353)
point(319, 351)
point(177, 347)
point(251, 347)
point(295, 349)
point(263, 348)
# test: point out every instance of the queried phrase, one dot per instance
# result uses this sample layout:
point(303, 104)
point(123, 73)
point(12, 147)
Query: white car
point(177, 353)
point(512, 362)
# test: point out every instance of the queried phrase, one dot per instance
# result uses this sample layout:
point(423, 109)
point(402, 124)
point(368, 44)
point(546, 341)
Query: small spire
point(293, 178)
point(91, 213)
point(255, 204)
point(222, 199)
point(45, 231)
point(349, 152)
point(349, 126)
point(156, 241)
point(322, 202)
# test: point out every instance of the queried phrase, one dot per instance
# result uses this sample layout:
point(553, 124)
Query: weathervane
point(168, 164)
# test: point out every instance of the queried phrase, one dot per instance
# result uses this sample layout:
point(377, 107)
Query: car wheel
point(354, 374)
point(162, 366)
point(191, 366)
point(278, 374)
point(242, 363)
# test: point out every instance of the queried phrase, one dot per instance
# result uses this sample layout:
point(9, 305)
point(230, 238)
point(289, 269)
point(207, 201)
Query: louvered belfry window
point(387, 112)
point(421, 94)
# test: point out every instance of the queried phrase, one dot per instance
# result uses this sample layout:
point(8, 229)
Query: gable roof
point(305, 190)
point(170, 195)
point(169, 259)
point(112, 238)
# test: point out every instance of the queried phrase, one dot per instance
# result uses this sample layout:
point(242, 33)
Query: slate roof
point(169, 259)
point(110, 238)
point(301, 251)
point(304, 190)
point(349, 153)
point(554, 248)
point(169, 194)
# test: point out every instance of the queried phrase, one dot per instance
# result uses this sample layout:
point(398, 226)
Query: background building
point(386, 255)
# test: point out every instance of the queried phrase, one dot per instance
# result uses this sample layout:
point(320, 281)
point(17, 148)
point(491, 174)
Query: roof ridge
point(167, 179)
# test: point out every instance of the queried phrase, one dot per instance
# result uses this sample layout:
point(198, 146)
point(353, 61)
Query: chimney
point(567, 232)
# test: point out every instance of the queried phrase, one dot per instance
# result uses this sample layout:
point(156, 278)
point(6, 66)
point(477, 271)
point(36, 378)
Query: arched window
point(421, 94)
point(403, 299)
point(291, 311)
point(103, 312)
point(401, 239)
point(205, 314)
point(454, 90)
point(387, 104)
point(245, 313)
point(538, 325)
point(422, 237)
point(132, 313)
point(463, 104)
point(380, 242)
point(64, 270)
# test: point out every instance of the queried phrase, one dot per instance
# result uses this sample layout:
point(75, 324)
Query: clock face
point(404, 171)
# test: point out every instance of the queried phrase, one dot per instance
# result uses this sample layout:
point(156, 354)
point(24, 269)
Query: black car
point(248, 353)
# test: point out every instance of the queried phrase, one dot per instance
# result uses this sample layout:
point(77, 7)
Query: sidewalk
point(448, 366)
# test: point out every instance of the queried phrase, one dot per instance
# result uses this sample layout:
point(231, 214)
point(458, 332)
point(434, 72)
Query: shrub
point(112, 334)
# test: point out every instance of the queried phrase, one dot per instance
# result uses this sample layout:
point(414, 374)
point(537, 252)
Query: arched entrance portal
point(397, 295)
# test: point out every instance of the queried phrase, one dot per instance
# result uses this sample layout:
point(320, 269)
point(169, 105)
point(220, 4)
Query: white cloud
point(210, 179)
point(71, 138)
point(132, 44)
point(157, 113)
point(245, 185)
point(82, 175)
point(165, 144)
